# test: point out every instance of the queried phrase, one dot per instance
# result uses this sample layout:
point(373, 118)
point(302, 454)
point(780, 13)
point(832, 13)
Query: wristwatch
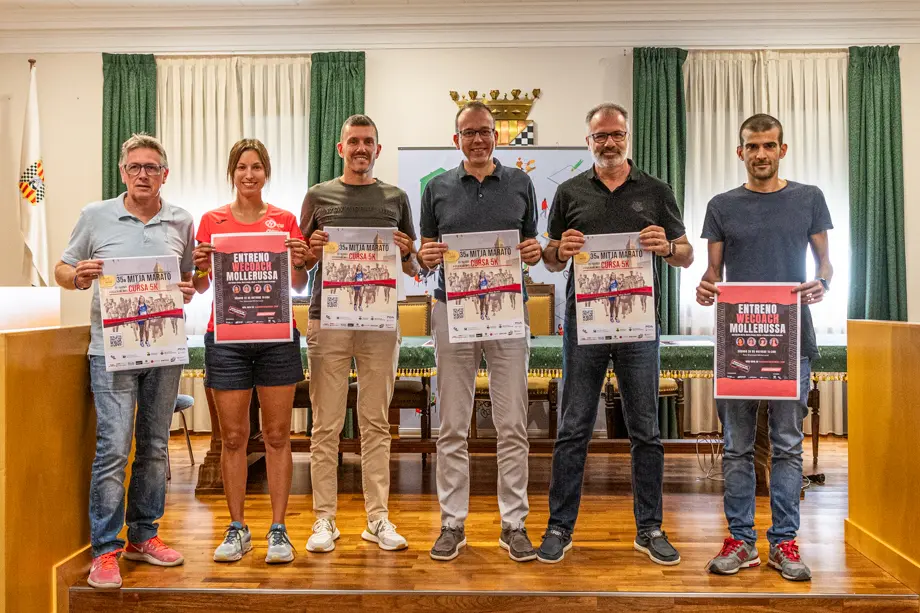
point(407, 257)
point(827, 286)
point(670, 249)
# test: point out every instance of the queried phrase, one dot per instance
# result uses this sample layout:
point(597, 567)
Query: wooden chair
point(541, 311)
point(613, 404)
point(414, 320)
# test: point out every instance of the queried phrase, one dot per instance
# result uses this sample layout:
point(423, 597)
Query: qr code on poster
point(332, 302)
point(115, 341)
point(587, 315)
point(459, 313)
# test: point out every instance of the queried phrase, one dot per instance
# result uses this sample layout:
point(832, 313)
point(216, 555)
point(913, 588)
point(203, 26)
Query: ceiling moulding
point(457, 25)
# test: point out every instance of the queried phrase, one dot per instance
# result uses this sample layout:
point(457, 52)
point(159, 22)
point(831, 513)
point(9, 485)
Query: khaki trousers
point(330, 354)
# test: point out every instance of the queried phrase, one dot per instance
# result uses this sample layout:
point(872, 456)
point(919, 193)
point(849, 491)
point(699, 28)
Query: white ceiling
point(273, 26)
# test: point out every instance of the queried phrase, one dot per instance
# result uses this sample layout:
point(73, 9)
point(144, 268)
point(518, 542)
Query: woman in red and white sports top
point(232, 370)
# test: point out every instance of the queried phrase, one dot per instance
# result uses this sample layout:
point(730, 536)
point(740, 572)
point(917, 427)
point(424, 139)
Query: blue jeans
point(153, 391)
point(583, 371)
point(739, 423)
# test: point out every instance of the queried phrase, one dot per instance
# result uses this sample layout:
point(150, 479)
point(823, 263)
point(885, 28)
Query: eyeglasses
point(601, 137)
point(484, 133)
point(152, 170)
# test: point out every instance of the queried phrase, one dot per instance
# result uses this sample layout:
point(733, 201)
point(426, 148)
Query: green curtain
point(877, 264)
point(129, 105)
point(336, 92)
point(659, 129)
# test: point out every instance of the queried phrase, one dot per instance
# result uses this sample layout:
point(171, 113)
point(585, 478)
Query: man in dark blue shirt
point(760, 232)
point(613, 196)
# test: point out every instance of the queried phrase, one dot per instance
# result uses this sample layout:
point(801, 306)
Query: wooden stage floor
point(602, 572)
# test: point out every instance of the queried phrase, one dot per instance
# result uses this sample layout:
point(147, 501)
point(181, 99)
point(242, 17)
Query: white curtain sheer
point(205, 105)
point(806, 91)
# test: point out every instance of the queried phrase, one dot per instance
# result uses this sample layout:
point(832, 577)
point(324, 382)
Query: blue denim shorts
point(241, 366)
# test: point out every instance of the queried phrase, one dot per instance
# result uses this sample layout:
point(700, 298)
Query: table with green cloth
point(681, 356)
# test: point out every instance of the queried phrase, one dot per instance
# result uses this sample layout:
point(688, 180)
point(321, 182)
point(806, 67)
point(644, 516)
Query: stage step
point(143, 600)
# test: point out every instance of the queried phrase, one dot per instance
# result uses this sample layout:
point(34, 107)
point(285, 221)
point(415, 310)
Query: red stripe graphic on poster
point(117, 321)
point(488, 290)
point(757, 341)
point(252, 288)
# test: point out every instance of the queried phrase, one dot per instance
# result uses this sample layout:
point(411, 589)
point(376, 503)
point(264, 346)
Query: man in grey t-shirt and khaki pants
point(480, 195)
point(356, 199)
point(760, 232)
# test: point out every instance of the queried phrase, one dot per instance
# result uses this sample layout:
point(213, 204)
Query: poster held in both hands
point(360, 271)
point(143, 322)
point(614, 290)
point(757, 341)
point(483, 284)
point(252, 288)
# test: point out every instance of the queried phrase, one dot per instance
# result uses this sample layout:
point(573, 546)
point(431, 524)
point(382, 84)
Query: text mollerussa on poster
point(757, 341)
point(252, 288)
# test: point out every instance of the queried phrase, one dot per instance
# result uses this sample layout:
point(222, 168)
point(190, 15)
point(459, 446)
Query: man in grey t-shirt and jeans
point(760, 232)
point(356, 199)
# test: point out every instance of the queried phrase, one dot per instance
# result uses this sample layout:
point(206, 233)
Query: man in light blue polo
point(136, 223)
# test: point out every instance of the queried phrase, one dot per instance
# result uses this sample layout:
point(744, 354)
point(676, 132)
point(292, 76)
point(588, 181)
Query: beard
point(763, 172)
point(604, 159)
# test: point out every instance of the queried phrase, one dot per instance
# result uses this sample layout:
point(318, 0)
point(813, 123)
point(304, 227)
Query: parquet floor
point(602, 560)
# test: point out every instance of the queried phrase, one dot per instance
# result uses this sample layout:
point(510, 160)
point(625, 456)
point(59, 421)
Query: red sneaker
point(105, 573)
point(153, 551)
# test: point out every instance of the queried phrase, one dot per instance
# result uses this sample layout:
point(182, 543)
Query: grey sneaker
point(448, 545)
point(735, 555)
point(555, 543)
point(785, 558)
point(280, 549)
point(237, 542)
point(517, 544)
point(324, 536)
point(655, 545)
point(384, 534)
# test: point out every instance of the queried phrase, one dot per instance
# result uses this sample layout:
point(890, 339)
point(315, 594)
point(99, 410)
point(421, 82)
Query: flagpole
point(32, 188)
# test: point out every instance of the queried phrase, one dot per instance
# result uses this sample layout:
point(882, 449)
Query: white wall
point(406, 94)
point(407, 91)
point(910, 103)
point(70, 110)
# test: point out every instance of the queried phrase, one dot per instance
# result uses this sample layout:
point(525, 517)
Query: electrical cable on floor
point(710, 460)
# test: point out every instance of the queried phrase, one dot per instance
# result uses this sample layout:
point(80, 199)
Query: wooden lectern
point(884, 452)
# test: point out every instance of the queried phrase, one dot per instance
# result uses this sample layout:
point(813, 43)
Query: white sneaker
point(384, 534)
point(324, 536)
point(280, 549)
point(237, 542)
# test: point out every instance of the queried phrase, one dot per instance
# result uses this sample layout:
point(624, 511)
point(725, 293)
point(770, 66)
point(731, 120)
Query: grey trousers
point(457, 364)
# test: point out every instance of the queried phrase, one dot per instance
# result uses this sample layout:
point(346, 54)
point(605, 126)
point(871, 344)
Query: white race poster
point(482, 274)
point(614, 290)
point(143, 323)
point(360, 268)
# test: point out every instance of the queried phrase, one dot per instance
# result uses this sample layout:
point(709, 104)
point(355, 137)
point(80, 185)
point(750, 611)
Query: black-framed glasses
point(484, 133)
point(152, 170)
point(601, 137)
